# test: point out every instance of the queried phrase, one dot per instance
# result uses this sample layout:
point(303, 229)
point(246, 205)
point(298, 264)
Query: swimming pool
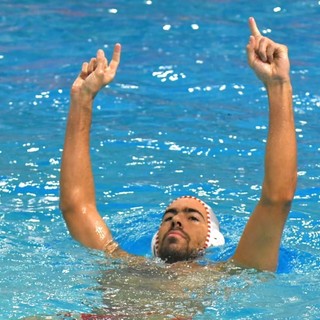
point(185, 115)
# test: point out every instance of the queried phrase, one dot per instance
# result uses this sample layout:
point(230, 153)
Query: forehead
point(190, 203)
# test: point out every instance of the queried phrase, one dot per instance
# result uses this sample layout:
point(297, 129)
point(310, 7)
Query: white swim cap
point(214, 237)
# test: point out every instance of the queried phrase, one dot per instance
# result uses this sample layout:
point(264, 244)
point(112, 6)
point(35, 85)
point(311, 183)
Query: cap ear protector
point(214, 237)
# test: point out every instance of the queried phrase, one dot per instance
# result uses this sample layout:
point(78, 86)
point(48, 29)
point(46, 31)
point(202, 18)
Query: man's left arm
point(259, 245)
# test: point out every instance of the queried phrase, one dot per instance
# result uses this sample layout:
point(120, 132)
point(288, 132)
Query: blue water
point(185, 115)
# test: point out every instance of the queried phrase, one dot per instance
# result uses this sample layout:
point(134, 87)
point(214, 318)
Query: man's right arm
point(77, 192)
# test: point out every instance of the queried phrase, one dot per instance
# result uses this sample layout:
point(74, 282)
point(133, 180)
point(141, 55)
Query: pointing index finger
point(116, 53)
point(253, 27)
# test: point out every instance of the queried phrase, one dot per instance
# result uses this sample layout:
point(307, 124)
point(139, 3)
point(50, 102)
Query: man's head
point(188, 227)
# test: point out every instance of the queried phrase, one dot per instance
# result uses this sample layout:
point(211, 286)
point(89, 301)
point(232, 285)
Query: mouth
point(176, 234)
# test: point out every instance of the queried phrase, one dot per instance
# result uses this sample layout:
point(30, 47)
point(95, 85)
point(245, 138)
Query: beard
point(170, 252)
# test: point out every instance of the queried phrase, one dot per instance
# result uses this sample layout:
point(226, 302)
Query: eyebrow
point(185, 210)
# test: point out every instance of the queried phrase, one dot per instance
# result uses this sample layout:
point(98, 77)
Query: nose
point(176, 221)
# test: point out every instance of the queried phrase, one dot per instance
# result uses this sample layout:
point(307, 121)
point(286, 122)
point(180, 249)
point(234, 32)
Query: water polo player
point(188, 226)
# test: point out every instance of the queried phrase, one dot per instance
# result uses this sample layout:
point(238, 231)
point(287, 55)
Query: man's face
point(183, 231)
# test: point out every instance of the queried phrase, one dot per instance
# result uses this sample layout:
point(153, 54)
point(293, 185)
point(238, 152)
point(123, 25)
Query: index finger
point(116, 55)
point(253, 27)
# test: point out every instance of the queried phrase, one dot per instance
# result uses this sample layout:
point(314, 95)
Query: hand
point(268, 59)
point(97, 73)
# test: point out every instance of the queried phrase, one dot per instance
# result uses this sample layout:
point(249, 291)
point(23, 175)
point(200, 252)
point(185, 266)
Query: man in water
point(188, 226)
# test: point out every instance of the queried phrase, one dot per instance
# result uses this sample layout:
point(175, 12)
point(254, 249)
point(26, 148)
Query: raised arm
point(77, 191)
point(259, 245)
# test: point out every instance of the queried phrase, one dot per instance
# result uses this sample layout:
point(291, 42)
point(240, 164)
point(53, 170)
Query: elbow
point(65, 210)
point(284, 201)
point(64, 205)
point(73, 207)
point(70, 210)
point(70, 204)
point(71, 199)
point(281, 195)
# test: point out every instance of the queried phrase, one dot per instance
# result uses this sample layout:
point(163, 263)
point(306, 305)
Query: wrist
point(278, 83)
point(80, 93)
point(81, 101)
